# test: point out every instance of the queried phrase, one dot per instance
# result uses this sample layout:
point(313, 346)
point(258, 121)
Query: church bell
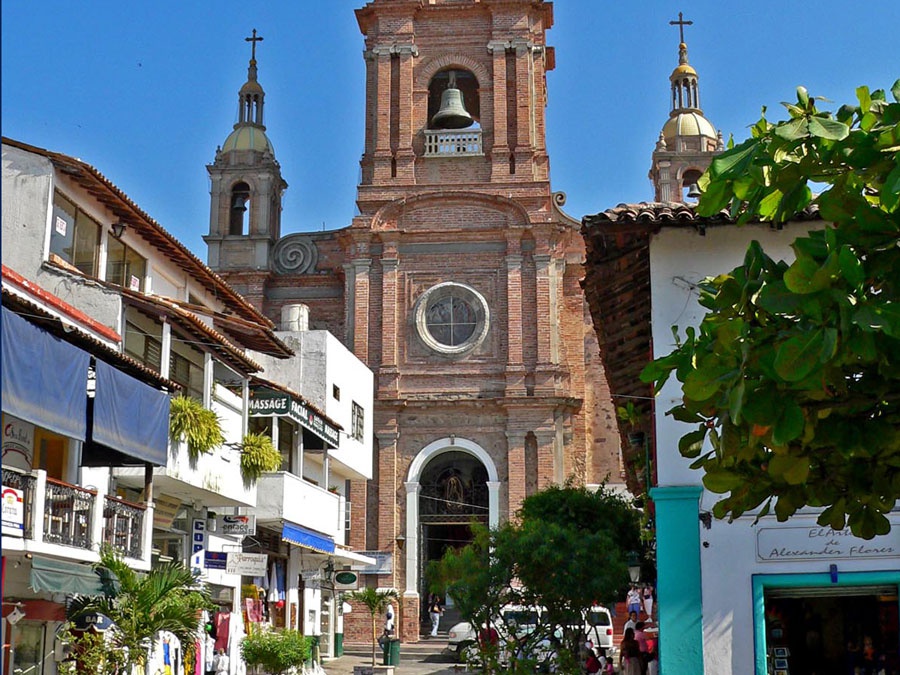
point(453, 113)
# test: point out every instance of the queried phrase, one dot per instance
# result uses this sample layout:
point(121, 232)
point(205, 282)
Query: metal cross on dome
point(681, 23)
point(253, 40)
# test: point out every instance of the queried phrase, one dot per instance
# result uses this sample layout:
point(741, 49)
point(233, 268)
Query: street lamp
point(634, 567)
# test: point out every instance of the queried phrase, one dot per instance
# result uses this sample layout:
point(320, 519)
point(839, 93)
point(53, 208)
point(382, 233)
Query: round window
point(452, 318)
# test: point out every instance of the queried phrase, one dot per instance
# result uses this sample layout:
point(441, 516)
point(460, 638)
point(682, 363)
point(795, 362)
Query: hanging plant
point(258, 456)
point(199, 427)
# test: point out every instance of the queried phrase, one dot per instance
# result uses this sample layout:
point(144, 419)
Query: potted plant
point(258, 456)
point(199, 427)
point(376, 601)
point(630, 415)
point(275, 651)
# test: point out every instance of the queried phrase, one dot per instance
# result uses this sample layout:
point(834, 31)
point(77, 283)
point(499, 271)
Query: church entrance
point(453, 494)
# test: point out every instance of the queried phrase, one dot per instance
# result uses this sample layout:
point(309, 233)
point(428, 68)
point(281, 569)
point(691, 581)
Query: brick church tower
point(458, 284)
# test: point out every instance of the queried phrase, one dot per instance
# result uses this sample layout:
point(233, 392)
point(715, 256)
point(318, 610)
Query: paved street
point(423, 658)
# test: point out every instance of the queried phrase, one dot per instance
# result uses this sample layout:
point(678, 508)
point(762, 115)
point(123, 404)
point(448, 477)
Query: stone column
point(411, 604)
point(515, 368)
point(405, 158)
point(388, 508)
point(500, 149)
point(546, 457)
point(388, 374)
point(382, 105)
point(515, 441)
point(524, 108)
point(493, 503)
point(361, 263)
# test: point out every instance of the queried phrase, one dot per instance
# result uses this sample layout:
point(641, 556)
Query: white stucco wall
point(321, 363)
point(679, 258)
point(731, 553)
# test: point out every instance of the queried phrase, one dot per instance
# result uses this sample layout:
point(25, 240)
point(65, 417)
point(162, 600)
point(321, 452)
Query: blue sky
point(145, 91)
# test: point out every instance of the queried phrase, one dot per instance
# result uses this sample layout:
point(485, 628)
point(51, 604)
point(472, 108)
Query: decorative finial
point(253, 40)
point(681, 23)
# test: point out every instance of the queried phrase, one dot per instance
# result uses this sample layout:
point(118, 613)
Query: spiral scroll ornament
point(296, 254)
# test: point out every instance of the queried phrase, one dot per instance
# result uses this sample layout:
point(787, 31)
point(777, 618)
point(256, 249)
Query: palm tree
point(376, 601)
point(167, 598)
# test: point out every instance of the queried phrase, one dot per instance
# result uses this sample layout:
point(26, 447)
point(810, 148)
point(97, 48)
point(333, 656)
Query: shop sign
point(249, 564)
point(236, 525)
point(311, 575)
point(13, 512)
point(265, 402)
point(216, 560)
point(785, 544)
point(92, 621)
point(346, 581)
point(383, 563)
point(18, 443)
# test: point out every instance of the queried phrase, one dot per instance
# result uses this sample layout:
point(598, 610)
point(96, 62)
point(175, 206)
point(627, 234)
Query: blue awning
point(44, 379)
point(130, 416)
point(300, 536)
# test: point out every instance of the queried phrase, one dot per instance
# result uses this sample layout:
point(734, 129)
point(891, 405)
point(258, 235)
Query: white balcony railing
point(61, 514)
point(286, 495)
point(444, 143)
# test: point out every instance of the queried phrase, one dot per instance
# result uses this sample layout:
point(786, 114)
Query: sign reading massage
point(266, 402)
point(784, 544)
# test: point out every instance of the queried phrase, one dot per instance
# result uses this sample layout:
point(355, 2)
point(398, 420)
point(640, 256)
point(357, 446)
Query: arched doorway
point(451, 482)
point(453, 493)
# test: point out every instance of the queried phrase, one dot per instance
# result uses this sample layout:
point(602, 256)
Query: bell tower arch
point(246, 188)
point(688, 141)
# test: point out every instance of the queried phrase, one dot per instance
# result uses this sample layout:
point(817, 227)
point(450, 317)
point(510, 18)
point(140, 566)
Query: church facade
point(458, 284)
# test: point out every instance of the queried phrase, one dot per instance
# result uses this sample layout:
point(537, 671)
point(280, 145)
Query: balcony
point(72, 521)
point(447, 143)
point(286, 496)
point(214, 479)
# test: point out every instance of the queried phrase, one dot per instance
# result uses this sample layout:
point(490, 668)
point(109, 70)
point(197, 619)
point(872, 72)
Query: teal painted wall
point(678, 579)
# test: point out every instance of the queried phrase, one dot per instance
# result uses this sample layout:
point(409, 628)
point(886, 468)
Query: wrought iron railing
point(68, 514)
point(123, 526)
point(25, 482)
point(445, 143)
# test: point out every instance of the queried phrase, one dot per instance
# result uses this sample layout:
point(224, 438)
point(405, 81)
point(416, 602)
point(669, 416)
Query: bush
point(276, 651)
point(258, 456)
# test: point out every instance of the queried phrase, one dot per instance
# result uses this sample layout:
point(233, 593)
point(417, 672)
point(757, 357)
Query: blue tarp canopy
point(44, 379)
point(130, 416)
point(300, 536)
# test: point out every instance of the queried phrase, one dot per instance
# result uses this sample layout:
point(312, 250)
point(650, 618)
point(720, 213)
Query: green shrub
point(198, 426)
point(258, 456)
point(276, 651)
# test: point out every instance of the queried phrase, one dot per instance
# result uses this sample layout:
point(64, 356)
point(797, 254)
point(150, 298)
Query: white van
point(598, 627)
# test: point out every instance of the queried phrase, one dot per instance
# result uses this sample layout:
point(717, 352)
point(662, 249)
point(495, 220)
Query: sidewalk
point(421, 658)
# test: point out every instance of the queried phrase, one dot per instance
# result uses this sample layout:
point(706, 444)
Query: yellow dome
point(248, 137)
point(687, 124)
point(683, 69)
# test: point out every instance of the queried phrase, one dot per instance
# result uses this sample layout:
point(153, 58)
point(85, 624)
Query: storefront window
point(28, 648)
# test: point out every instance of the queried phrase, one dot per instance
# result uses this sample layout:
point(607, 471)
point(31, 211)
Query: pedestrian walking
point(648, 601)
point(435, 609)
point(633, 600)
point(629, 654)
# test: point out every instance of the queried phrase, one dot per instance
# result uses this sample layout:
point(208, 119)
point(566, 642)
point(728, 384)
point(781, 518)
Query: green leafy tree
point(376, 601)
point(567, 551)
point(167, 598)
point(793, 375)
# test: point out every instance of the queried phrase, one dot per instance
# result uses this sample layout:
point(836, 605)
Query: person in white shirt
point(632, 621)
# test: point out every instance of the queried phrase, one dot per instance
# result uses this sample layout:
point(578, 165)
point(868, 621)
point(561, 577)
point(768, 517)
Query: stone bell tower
point(688, 141)
point(245, 193)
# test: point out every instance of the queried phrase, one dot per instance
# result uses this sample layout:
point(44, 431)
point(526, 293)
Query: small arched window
point(239, 205)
